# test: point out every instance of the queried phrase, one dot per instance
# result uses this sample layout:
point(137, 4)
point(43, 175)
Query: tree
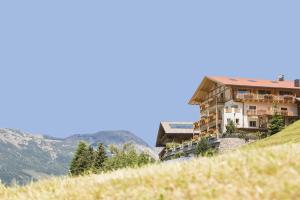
point(202, 147)
point(230, 127)
point(126, 156)
point(100, 157)
point(90, 157)
point(82, 160)
point(276, 124)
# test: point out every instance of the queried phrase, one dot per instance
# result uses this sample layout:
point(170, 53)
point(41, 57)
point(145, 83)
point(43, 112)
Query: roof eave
point(192, 100)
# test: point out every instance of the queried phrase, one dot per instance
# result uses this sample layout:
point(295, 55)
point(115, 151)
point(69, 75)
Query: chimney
point(297, 82)
point(281, 77)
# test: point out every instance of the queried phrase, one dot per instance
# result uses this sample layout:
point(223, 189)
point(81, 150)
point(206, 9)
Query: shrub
point(276, 124)
point(210, 152)
point(178, 155)
point(230, 127)
point(202, 147)
point(261, 135)
point(171, 145)
point(86, 160)
point(126, 157)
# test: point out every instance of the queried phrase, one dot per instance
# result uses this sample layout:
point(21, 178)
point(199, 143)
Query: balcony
point(252, 112)
point(265, 98)
point(187, 149)
point(211, 102)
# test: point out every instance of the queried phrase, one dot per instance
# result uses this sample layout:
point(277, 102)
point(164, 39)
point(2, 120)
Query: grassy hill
point(291, 134)
point(268, 169)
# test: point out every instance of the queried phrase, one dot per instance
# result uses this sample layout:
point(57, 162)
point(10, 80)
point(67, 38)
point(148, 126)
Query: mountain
point(26, 157)
point(265, 169)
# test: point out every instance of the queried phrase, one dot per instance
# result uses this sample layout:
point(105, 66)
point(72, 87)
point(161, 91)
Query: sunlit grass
point(270, 169)
point(291, 134)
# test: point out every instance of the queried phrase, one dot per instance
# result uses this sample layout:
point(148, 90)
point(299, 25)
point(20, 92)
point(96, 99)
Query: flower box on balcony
point(268, 97)
point(248, 96)
point(288, 98)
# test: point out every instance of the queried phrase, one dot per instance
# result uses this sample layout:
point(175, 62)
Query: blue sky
point(83, 66)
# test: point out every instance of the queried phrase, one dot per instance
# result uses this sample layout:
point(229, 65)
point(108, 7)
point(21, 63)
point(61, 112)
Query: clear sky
point(83, 66)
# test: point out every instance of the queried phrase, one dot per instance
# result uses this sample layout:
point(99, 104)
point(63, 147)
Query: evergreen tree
point(202, 147)
point(126, 156)
point(100, 157)
point(230, 128)
point(82, 159)
point(90, 157)
point(276, 124)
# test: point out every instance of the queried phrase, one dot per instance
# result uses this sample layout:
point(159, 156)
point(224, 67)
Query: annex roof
point(174, 128)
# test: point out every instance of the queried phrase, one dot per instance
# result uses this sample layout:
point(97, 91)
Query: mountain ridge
point(26, 157)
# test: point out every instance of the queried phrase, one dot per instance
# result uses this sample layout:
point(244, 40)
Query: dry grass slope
point(291, 134)
point(267, 172)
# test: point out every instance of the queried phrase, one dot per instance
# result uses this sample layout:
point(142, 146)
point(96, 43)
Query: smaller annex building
point(176, 132)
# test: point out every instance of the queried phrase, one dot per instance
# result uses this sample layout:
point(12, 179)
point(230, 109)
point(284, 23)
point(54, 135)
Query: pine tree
point(90, 157)
point(230, 127)
point(100, 157)
point(202, 147)
point(276, 124)
point(82, 160)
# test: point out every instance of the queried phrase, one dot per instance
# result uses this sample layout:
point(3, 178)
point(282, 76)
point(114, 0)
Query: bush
point(203, 147)
point(276, 124)
point(86, 160)
point(178, 155)
point(230, 127)
point(171, 145)
point(126, 157)
point(261, 135)
point(210, 152)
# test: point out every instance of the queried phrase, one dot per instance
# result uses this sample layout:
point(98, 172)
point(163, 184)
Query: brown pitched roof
point(209, 81)
point(287, 84)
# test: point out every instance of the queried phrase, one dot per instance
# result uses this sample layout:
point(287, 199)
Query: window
point(252, 124)
point(285, 93)
point(237, 121)
point(228, 110)
point(234, 106)
point(243, 91)
point(181, 126)
point(284, 109)
point(264, 92)
point(252, 107)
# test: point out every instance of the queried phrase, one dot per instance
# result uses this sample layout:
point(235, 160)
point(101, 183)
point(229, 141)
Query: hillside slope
point(25, 157)
point(268, 172)
point(290, 134)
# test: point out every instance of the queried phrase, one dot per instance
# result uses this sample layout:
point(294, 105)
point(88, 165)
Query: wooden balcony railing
point(265, 98)
point(269, 112)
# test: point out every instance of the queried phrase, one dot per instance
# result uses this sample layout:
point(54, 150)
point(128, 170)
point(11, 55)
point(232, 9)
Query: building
point(249, 103)
point(174, 132)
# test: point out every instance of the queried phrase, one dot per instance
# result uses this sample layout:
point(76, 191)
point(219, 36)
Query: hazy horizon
point(83, 67)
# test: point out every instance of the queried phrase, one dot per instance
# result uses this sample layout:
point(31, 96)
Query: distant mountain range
point(26, 157)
